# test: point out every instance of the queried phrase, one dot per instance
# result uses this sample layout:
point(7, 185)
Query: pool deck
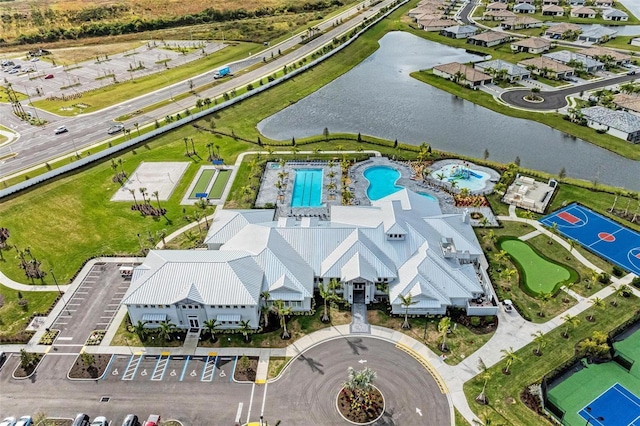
point(494, 176)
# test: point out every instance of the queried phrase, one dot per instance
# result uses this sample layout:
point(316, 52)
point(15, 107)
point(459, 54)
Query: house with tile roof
point(547, 67)
point(463, 74)
point(520, 23)
point(498, 15)
point(513, 72)
point(562, 30)
point(534, 45)
point(550, 2)
point(435, 24)
point(489, 39)
point(603, 54)
point(402, 242)
point(496, 6)
point(567, 57)
point(552, 10)
point(620, 124)
point(627, 102)
point(583, 12)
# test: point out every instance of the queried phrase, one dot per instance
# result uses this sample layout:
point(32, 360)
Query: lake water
point(379, 97)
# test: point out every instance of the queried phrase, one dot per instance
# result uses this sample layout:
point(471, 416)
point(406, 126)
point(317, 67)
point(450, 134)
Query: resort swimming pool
point(307, 188)
point(465, 177)
point(382, 182)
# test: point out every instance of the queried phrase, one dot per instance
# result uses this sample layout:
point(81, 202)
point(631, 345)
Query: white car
point(25, 421)
point(8, 421)
point(34, 59)
point(100, 421)
point(61, 129)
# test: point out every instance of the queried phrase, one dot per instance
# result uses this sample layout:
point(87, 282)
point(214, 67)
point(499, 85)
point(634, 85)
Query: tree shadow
point(386, 419)
point(313, 364)
point(356, 345)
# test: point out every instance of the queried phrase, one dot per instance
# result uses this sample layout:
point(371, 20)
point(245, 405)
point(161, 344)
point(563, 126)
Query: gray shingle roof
point(620, 120)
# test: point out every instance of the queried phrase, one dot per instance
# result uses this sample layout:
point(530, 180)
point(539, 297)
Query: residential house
point(524, 8)
point(463, 74)
point(495, 7)
point(605, 55)
point(568, 57)
point(550, 2)
point(583, 12)
point(415, 13)
point(598, 35)
point(635, 41)
point(459, 31)
point(603, 3)
point(547, 68)
point(499, 15)
point(520, 22)
point(552, 10)
point(620, 124)
point(577, 2)
point(534, 45)
point(524, 1)
point(402, 241)
point(614, 15)
point(489, 39)
point(630, 103)
point(562, 30)
point(512, 72)
point(435, 24)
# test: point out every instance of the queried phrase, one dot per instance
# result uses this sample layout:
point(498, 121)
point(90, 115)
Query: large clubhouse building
point(402, 244)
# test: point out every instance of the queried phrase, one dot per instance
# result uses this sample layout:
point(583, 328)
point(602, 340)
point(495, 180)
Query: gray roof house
point(514, 72)
point(620, 124)
point(402, 240)
point(597, 34)
point(524, 8)
point(589, 65)
point(459, 31)
point(614, 15)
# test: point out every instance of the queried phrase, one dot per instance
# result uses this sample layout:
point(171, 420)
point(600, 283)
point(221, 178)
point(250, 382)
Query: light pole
point(55, 281)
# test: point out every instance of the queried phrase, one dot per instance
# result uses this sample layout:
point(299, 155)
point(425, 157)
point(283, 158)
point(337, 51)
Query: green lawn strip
point(276, 365)
point(462, 341)
point(220, 184)
point(577, 391)
point(460, 420)
point(554, 120)
point(538, 274)
point(13, 317)
point(203, 182)
point(504, 391)
point(622, 42)
point(115, 93)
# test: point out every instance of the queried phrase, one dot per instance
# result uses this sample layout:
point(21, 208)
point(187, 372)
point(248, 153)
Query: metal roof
point(154, 317)
point(228, 317)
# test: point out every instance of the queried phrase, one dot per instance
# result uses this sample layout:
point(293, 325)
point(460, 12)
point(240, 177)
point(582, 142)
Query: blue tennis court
point(601, 235)
point(616, 407)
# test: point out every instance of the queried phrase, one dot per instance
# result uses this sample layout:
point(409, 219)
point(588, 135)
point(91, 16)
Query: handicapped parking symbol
point(115, 372)
point(193, 373)
point(143, 372)
point(173, 373)
point(223, 374)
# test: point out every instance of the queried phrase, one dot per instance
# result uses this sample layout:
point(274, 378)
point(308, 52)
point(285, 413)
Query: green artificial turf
point(220, 184)
point(203, 182)
point(540, 275)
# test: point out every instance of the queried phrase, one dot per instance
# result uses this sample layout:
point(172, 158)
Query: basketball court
point(601, 235)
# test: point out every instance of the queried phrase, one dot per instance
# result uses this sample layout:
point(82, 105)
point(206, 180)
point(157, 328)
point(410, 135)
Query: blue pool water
point(476, 180)
point(307, 188)
point(382, 182)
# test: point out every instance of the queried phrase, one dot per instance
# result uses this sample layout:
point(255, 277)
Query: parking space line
point(233, 370)
point(161, 367)
point(132, 367)
point(209, 367)
point(184, 369)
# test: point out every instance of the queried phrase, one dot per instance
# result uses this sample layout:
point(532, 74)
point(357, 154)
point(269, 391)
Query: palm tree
point(203, 204)
point(441, 176)
point(143, 191)
point(485, 375)
point(264, 296)
point(161, 234)
point(140, 330)
point(406, 302)
point(281, 311)
point(165, 330)
point(500, 256)
point(133, 192)
point(157, 195)
point(544, 299)
point(443, 329)
point(509, 357)
point(360, 383)
point(137, 126)
point(210, 326)
point(598, 304)
point(539, 340)
point(327, 296)
point(245, 329)
point(571, 322)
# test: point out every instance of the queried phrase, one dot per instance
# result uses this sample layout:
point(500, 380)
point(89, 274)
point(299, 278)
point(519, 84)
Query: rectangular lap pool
point(307, 188)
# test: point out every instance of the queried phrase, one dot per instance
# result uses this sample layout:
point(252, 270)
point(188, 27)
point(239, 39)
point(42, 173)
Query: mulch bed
point(361, 416)
point(81, 371)
point(58, 422)
point(21, 372)
point(250, 374)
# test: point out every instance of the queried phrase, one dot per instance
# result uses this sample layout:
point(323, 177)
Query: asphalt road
point(38, 145)
point(557, 98)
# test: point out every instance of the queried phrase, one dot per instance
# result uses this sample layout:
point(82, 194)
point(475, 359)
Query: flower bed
point(48, 337)
point(81, 370)
point(95, 338)
point(360, 411)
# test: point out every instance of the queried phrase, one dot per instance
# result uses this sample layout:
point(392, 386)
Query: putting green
point(540, 274)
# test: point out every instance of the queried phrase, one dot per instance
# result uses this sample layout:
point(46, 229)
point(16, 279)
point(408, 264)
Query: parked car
point(14, 71)
point(508, 305)
point(81, 420)
point(115, 129)
point(100, 421)
point(131, 420)
point(61, 129)
point(48, 76)
point(632, 72)
point(34, 59)
point(8, 421)
point(24, 421)
point(6, 63)
point(152, 420)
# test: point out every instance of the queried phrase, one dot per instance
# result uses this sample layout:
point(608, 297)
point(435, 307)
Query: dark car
point(131, 420)
point(81, 420)
point(48, 77)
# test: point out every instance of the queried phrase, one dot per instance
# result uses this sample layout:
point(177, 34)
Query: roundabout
point(308, 390)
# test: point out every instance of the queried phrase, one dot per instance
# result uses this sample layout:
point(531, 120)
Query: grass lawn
point(622, 42)
point(504, 391)
point(122, 91)
point(13, 317)
point(540, 275)
point(460, 420)
point(203, 182)
point(220, 184)
point(276, 365)
point(462, 341)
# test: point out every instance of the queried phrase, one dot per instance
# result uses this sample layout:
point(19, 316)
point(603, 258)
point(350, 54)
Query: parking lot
point(139, 367)
point(92, 306)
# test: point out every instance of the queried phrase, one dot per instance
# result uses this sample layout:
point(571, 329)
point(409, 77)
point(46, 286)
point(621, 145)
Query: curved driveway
point(557, 98)
point(307, 390)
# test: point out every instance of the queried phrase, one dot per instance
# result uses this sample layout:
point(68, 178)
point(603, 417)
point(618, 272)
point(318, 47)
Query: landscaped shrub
point(617, 271)
point(604, 278)
point(636, 282)
point(475, 321)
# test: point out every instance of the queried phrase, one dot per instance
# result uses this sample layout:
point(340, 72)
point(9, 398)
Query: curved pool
point(382, 182)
